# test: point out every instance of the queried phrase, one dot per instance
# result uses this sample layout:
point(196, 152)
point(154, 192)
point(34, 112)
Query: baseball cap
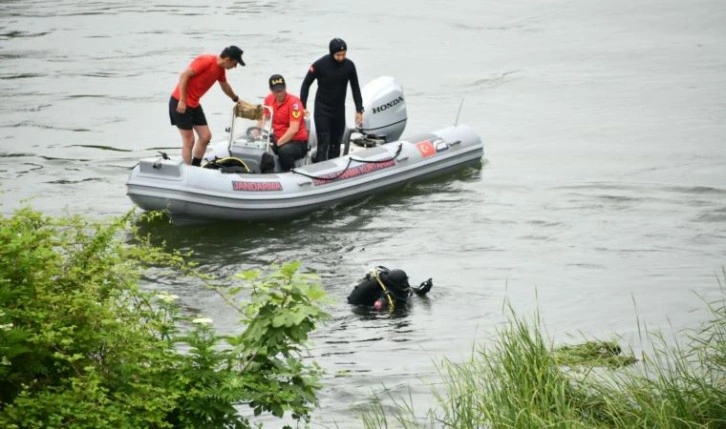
point(235, 53)
point(277, 82)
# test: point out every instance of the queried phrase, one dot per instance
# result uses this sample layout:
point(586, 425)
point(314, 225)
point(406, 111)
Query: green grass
point(522, 381)
point(593, 354)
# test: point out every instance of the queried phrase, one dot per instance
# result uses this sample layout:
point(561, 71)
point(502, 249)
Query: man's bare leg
point(187, 145)
point(204, 136)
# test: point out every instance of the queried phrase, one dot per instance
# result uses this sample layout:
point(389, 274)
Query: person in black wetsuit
point(386, 289)
point(333, 73)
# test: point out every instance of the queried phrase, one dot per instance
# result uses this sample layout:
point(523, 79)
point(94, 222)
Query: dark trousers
point(329, 130)
point(291, 152)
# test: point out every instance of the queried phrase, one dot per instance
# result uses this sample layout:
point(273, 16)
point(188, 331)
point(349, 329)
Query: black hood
point(397, 280)
point(337, 45)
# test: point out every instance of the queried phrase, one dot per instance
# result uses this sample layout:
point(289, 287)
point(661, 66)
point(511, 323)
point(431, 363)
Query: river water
point(601, 199)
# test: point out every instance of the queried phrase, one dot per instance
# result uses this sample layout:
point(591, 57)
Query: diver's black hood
point(337, 45)
point(395, 279)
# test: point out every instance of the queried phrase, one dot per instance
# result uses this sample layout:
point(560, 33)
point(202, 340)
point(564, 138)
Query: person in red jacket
point(289, 133)
point(186, 112)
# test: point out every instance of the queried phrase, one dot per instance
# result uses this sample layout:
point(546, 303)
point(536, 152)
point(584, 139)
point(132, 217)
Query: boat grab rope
point(347, 166)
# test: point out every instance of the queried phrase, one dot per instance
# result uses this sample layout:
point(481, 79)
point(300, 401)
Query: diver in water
point(384, 288)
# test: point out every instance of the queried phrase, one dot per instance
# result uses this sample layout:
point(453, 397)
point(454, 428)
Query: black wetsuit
point(381, 288)
point(329, 114)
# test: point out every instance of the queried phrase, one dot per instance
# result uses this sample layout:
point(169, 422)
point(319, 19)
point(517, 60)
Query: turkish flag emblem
point(426, 148)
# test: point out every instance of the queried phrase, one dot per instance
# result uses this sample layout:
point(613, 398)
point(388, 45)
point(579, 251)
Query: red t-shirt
point(283, 113)
point(206, 72)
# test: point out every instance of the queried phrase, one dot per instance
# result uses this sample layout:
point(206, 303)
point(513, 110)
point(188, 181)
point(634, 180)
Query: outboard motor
point(384, 107)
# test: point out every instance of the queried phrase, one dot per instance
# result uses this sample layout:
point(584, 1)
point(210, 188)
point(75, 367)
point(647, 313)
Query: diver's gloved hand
point(423, 288)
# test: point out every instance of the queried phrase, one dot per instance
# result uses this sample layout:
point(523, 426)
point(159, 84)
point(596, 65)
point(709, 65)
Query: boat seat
point(312, 137)
point(301, 162)
point(305, 160)
point(312, 143)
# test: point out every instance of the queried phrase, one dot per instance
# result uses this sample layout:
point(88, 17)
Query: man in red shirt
point(184, 109)
point(288, 125)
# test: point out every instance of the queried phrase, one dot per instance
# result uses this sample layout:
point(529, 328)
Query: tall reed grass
point(519, 382)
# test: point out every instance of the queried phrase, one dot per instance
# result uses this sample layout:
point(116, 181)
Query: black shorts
point(187, 120)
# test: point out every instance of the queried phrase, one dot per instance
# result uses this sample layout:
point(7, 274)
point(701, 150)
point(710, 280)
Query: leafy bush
point(83, 346)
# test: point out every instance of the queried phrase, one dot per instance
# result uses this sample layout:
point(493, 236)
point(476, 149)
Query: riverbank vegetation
point(82, 345)
point(523, 381)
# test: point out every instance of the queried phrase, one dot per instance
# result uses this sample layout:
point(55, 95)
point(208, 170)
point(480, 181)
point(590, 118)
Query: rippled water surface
point(602, 196)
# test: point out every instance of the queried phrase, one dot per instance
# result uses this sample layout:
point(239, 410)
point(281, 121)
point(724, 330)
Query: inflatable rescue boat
point(242, 179)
